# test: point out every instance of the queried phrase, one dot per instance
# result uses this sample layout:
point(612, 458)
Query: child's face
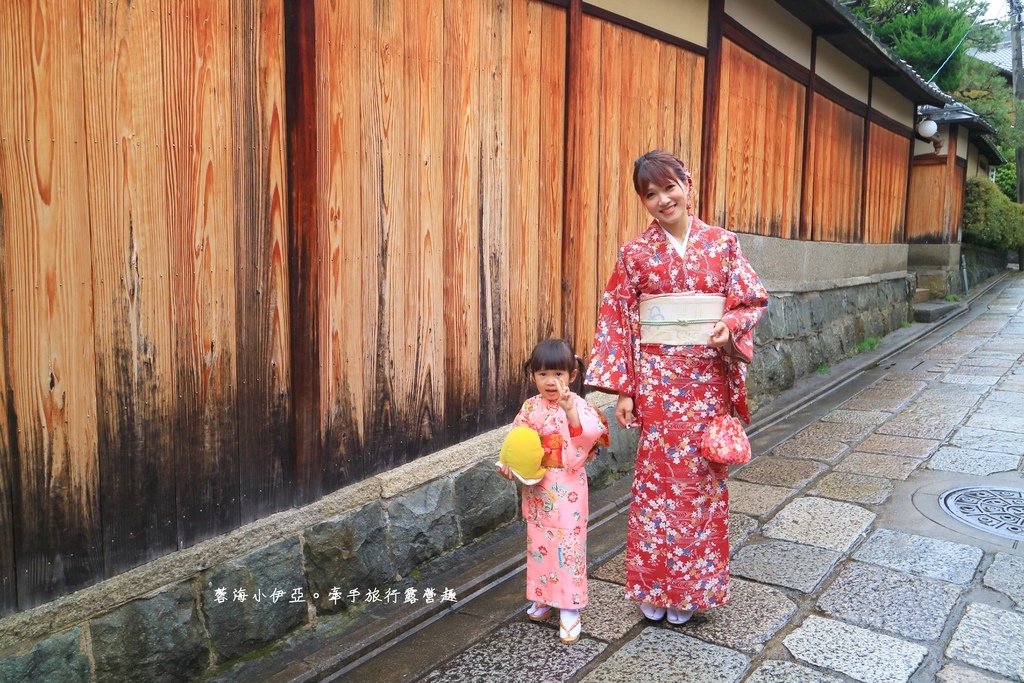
point(550, 382)
point(667, 203)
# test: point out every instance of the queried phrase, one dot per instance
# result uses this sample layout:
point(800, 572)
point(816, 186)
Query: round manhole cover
point(998, 511)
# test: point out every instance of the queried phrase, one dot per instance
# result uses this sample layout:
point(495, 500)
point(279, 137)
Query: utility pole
point(1018, 91)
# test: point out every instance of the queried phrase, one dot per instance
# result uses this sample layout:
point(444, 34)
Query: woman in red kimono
point(677, 544)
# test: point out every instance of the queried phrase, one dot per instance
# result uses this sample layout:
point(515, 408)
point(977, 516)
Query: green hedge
point(990, 218)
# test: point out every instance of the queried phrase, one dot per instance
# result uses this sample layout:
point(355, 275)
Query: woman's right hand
point(624, 411)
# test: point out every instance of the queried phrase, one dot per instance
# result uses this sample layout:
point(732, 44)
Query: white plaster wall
point(924, 148)
point(961, 142)
point(839, 70)
point(686, 19)
point(972, 162)
point(775, 26)
point(886, 100)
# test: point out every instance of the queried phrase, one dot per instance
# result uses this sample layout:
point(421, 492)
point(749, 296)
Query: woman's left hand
point(719, 335)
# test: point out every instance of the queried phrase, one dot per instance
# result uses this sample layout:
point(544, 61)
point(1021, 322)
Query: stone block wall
point(982, 263)
point(802, 330)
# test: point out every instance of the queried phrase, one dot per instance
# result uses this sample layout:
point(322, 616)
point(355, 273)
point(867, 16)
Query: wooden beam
point(864, 165)
point(805, 227)
point(571, 228)
point(712, 101)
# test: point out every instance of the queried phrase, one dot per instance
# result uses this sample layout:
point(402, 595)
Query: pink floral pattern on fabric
point(677, 544)
point(556, 509)
point(725, 442)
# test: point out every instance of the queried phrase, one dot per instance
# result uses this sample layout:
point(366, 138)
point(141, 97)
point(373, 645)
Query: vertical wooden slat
point(423, 333)
point(131, 283)
point(552, 175)
point(304, 262)
point(264, 409)
point(201, 203)
point(8, 439)
point(493, 223)
point(340, 40)
point(50, 362)
point(614, 172)
point(714, 89)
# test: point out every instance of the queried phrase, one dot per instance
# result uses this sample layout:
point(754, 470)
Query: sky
point(997, 9)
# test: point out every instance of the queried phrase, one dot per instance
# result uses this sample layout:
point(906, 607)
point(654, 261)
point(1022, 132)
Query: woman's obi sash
point(679, 319)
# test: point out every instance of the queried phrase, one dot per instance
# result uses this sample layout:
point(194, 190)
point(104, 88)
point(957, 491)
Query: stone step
point(921, 294)
point(930, 311)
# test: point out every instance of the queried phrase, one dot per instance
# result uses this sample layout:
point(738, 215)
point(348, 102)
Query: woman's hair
point(555, 354)
point(659, 168)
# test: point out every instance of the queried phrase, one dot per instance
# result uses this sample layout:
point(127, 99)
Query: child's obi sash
point(679, 319)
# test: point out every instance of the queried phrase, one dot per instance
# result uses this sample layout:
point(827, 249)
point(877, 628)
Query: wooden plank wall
point(926, 211)
point(886, 200)
point(760, 147)
point(631, 111)
point(441, 187)
point(145, 286)
point(832, 195)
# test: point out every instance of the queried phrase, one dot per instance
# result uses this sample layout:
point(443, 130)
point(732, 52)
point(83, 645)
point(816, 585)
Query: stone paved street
point(845, 565)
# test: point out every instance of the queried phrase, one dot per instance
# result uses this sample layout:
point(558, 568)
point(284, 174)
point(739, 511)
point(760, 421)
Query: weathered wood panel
point(886, 199)
point(50, 362)
point(130, 282)
point(759, 165)
point(196, 50)
point(462, 208)
point(634, 111)
point(9, 424)
point(926, 205)
point(262, 330)
point(832, 193)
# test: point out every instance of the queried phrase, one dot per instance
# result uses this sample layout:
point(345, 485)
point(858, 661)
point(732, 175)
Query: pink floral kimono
point(677, 542)
point(556, 508)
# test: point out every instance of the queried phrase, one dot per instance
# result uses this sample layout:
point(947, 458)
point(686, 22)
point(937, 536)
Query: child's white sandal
point(571, 634)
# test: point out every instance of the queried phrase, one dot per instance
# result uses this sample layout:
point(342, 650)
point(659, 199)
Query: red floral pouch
point(725, 442)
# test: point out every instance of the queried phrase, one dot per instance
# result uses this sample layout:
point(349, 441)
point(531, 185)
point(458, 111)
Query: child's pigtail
point(577, 386)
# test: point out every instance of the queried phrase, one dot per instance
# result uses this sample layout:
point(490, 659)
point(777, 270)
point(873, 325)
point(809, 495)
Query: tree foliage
point(983, 89)
point(990, 219)
point(926, 32)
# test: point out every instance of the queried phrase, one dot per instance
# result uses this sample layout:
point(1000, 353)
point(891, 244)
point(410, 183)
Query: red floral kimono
point(677, 542)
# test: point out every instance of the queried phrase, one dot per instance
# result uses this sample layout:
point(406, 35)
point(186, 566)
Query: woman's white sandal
point(652, 612)
point(572, 634)
point(677, 617)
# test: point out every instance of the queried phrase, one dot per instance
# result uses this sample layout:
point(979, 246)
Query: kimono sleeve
point(745, 302)
point(522, 418)
point(592, 428)
point(616, 337)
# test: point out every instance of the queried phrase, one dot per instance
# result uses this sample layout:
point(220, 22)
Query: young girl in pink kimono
point(556, 508)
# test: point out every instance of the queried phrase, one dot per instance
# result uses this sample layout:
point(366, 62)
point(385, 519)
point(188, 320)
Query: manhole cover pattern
point(998, 511)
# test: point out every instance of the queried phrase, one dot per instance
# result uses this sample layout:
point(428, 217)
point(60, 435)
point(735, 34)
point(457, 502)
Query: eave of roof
point(832, 21)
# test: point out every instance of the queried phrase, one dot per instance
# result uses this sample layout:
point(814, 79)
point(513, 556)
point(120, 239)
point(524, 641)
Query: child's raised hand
point(565, 396)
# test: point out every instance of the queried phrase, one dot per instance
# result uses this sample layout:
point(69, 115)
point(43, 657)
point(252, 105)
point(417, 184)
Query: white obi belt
point(679, 319)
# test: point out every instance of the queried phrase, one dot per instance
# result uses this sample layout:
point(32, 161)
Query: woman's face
point(667, 203)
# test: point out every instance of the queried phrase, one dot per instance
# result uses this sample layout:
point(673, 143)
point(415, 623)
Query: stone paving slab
point(754, 615)
point(613, 570)
point(930, 557)
point(886, 600)
point(1006, 575)
point(993, 440)
point(755, 499)
point(1006, 396)
point(857, 417)
point(990, 638)
point(966, 461)
point(774, 671)
point(1001, 409)
point(857, 652)
point(905, 446)
point(779, 472)
point(660, 655)
point(609, 615)
point(853, 488)
point(878, 465)
point(740, 528)
point(834, 431)
point(518, 651)
point(820, 522)
point(1014, 383)
point(998, 422)
point(811, 449)
point(955, 673)
point(945, 393)
point(925, 421)
point(782, 563)
point(981, 380)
